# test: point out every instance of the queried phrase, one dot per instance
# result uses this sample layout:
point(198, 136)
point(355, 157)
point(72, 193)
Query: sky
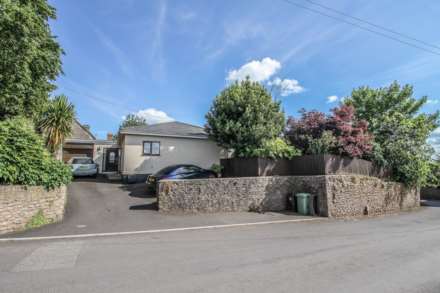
point(167, 59)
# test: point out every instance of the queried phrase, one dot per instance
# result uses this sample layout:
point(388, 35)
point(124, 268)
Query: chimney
point(109, 136)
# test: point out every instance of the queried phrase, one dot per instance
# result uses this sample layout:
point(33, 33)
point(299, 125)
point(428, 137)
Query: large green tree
point(244, 117)
point(400, 130)
point(29, 57)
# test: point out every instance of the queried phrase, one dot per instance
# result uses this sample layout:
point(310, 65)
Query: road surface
point(399, 253)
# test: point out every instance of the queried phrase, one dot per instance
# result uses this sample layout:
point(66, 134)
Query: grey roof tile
point(174, 128)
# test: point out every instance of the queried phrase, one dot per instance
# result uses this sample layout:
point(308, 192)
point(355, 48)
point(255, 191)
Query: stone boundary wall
point(339, 196)
point(18, 204)
point(355, 196)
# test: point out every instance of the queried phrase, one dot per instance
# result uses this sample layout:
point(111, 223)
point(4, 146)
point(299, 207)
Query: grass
point(37, 220)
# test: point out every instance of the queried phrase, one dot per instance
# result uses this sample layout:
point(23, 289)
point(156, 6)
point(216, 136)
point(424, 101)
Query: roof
point(79, 132)
point(170, 129)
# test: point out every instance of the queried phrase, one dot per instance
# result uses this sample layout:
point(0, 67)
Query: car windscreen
point(82, 161)
point(165, 171)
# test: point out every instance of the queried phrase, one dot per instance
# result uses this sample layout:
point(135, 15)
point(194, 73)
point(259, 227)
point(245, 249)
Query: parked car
point(182, 171)
point(82, 166)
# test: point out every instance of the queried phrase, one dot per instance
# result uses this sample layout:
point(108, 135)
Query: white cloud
point(332, 99)
point(153, 116)
point(257, 70)
point(286, 87)
point(432, 102)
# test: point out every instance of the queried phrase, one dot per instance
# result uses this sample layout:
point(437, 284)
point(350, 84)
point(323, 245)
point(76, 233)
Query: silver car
point(82, 166)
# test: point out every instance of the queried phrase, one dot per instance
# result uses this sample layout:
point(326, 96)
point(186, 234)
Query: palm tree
point(56, 122)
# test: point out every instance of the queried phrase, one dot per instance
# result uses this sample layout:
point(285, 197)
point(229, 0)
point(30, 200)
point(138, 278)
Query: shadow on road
point(148, 206)
point(430, 203)
point(139, 190)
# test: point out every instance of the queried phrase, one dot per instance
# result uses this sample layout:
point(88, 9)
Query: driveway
point(100, 206)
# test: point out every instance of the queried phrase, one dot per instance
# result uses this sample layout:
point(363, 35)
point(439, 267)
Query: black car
point(179, 172)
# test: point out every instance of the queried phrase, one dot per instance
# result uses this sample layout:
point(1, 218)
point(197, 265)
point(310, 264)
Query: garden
point(33, 122)
point(373, 132)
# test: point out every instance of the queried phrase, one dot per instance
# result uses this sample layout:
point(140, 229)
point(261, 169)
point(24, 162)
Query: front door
point(111, 160)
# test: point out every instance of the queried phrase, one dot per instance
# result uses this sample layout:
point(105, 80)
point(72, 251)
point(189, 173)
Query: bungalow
point(146, 149)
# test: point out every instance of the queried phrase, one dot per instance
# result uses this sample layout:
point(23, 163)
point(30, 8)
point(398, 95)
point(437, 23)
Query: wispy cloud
point(332, 99)
point(119, 56)
point(157, 58)
point(286, 87)
point(432, 101)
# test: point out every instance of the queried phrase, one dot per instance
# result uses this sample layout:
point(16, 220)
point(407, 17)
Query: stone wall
point(355, 196)
point(235, 194)
point(18, 204)
point(338, 196)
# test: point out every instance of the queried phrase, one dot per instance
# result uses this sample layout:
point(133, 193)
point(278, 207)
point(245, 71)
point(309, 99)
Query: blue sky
point(168, 59)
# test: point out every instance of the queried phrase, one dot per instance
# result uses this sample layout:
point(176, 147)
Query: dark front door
point(111, 160)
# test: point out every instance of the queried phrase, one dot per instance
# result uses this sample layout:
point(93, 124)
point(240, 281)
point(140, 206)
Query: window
point(82, 161)
point(151, 148)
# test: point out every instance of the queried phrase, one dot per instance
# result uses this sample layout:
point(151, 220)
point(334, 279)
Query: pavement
point(101, 206)
point(399, 253)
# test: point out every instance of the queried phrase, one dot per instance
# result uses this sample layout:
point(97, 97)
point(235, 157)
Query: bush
point(341, 133)
point(326, 144)
point(276, 148)
point(434, 174)
point(243, 117)
point(24, 160)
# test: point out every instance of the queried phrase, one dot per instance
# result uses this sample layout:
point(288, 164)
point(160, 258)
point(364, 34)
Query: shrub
point(217, 169)
point(341, 133)
point(325, 144)
point(276, 148)
point(24, 159)
point(243, 117)
point(433, 179)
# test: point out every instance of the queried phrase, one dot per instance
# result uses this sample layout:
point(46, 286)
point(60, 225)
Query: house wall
point(99, 153)
point(200, 152)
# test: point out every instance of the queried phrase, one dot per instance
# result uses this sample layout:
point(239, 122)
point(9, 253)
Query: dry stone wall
point(18, 204)
point(339, 196)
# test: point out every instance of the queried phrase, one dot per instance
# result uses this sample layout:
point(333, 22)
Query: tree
point(399, 130)
point(340, 133)
point(132, 120)
point(353, 138)
point(29, 57)
point(56, 122)
point(244, 117)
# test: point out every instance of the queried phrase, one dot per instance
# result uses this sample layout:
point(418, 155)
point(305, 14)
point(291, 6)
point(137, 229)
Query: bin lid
point(303, 194)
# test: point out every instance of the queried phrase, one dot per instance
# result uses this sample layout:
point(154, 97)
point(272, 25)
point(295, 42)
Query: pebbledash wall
point(339, 196)
point(18, 204)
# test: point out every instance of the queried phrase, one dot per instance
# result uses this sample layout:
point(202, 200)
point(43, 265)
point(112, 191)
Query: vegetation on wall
point(244, 118)
point(24, 160)
point(30, 57)
point(400, 131)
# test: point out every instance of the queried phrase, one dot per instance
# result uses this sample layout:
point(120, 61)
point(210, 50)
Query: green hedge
point(25, 161)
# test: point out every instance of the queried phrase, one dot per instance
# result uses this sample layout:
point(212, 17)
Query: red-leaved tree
point(352, 135)
point(340, 133)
